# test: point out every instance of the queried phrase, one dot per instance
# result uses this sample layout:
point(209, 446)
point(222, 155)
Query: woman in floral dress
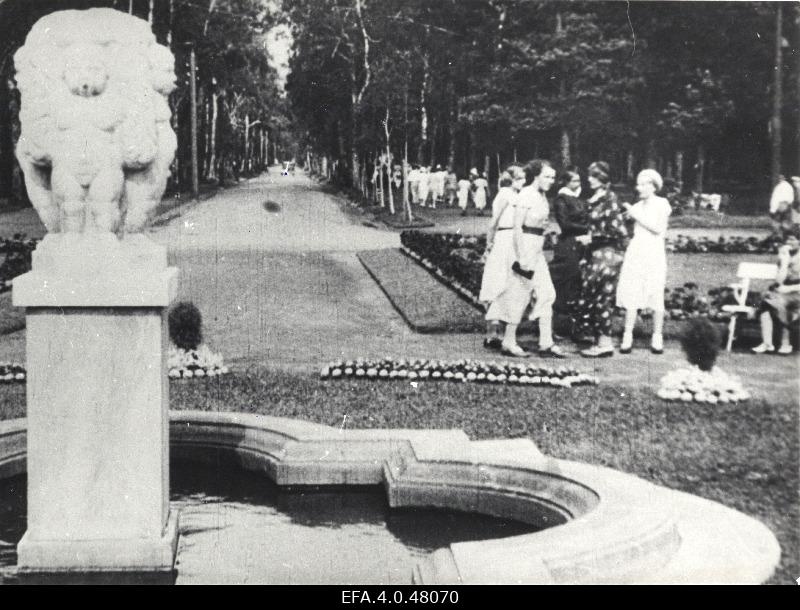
point(600, 268)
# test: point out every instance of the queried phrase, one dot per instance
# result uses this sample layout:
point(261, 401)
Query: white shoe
point(513, 350)
point(657, 344)
point(626, 345)
point(763, 349)
point(785, 349)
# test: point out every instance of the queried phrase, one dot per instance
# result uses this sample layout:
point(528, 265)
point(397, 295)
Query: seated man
point(782, 301)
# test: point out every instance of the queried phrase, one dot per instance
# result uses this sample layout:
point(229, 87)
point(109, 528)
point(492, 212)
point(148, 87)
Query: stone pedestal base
point(97, 394)
point(101, 555)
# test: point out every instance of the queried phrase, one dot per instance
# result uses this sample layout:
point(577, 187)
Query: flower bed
point(684, 244)
point(686, 301)
point(458, 261)
point(194, 363)
point(691, 384)
point(18, 251)
point(464, 371)
point(11, 372)
point(455, 258)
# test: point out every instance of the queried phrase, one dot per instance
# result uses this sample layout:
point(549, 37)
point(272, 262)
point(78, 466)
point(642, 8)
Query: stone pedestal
point(97, 391)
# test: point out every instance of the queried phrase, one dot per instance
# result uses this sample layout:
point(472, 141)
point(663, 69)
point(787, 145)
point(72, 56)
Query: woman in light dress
point(781, 302)
point(644, 270)
point(463, 194)
point(479, 195)
point(500, 249)
point(424, 185)
point(531, 277)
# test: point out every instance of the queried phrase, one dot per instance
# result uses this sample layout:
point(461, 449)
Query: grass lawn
point(426, 304)
point(744, 456)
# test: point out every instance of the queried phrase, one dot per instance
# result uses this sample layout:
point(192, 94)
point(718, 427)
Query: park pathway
point(284, 289)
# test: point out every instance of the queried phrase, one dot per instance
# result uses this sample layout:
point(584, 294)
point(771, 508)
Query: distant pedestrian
point(413, 183)
point(781, 206)
point(424, 185)
point(480, 192)
point(450, 187)
point(437, 186)
point(643, 275)
point(464, 186)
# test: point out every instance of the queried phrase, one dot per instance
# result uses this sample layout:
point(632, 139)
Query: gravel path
point(308, 220)
point(285, 290)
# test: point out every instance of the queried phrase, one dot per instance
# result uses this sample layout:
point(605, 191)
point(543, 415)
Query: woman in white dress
point(500, 248)
point(424, 186)
point(463, 194)
point(481, 186)
point(644, 269)
point(530, 277)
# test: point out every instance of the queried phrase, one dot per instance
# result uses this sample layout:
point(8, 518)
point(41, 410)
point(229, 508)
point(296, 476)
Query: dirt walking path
point(284, 289)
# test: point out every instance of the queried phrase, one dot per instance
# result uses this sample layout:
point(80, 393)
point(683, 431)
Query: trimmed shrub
point(185, 325)
point(700, 343)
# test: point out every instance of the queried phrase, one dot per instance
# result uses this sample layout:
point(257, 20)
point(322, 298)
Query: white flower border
point(11, 372)
point(476, 372)
point(690, 384)
point(194, 363)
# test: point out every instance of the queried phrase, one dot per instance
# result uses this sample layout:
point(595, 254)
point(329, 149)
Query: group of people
point(608, 254)
point(431, 187)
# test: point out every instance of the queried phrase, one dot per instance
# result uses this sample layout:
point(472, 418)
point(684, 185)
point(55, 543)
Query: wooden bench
point(746, 272)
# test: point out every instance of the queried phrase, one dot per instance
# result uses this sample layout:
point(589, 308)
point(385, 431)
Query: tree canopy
point(683, 87)
point(242, 115)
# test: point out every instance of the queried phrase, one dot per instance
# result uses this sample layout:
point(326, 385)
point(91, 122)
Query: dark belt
point(504, 228)
point(533, 230)
point(791, 282)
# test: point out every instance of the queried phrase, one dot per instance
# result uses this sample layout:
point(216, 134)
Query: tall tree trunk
point(777, 99)
point(451, 137)
point(6, 142)
point(379, 165)
point(150, 8)
point(243, 163)
point(423, 132)
point(169, 23)
point(797, 83)
point(205, 128)
point(701, 167)
point(629, 166)
point(650, 156)
point(406, 198)
point(566, 159)
point(388, 161)
point(679, 170)
point(486, 164)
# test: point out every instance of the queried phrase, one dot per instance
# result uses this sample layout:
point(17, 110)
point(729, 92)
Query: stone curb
point(610, 527)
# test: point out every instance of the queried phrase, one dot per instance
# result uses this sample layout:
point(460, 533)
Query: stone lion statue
point(96, 142)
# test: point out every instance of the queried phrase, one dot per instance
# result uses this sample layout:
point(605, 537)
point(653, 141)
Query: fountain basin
point(608, 526)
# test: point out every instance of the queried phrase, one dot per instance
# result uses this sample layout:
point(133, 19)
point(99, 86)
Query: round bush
point(185, 325)
point(700, 343)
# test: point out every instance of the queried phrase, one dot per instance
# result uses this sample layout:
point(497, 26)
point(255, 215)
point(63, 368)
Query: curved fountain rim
point(620, 528)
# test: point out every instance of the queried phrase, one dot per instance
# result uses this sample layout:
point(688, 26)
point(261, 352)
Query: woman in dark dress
point(573, 220)
point(600, 268)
